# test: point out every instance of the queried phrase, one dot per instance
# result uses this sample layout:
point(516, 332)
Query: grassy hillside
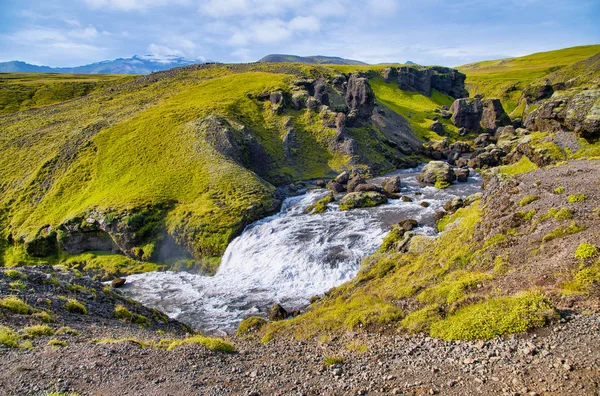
point(22, 91)
point(507, 78)
point(180, 158)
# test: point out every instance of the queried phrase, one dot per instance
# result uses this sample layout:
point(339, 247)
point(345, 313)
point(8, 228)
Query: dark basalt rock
point(343, 177)
point(44, 244)
point(493, 115)
point(466, 113)
point(277, 312)
point(117, 282)
point(462, 175)
point(360, 100)
point(354, 182)
point(423, 80)
point(438, 128)
point(335, 186)
point(453, 205)
point(437, 171)
point(368, 187)
point(483, 140)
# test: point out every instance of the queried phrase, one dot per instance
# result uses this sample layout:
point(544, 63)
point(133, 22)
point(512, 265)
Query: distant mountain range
point(133, 65)
point(319, 59)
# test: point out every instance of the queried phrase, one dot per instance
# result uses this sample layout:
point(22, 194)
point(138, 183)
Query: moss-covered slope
point(171, 166)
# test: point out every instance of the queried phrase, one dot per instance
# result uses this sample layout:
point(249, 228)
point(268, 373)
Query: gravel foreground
point(558, 360)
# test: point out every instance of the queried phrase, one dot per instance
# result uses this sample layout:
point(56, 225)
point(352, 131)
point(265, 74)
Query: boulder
point(277, 312)
point(493, 115)
point(407, 225)
point(466, 113)
point(368, 187)
point(437, 171)
point(507, 132)
point(335, 186)
point(392, 184)
point(453, 205)
point(343, 177)
point(462, 174)
point(438, 128)
point(117, 282)
point(355, 181)
point(486, 158)
point(362, 200)
point(483, 140)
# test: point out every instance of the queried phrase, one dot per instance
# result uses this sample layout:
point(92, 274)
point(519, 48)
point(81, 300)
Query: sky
point(428, 32)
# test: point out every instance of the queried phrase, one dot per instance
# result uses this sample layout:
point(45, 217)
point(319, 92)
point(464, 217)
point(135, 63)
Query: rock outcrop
point(474, 114)
point(419, 79)
point(362, 200)
point(360, 100)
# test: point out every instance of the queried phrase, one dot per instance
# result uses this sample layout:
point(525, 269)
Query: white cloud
point(129, 5)
point(383, 7)
point(305, 24)
point(229, 8)
point(242, 54)
point(89, 32)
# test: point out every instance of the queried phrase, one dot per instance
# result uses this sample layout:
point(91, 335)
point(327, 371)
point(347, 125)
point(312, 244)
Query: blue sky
point(445, 32)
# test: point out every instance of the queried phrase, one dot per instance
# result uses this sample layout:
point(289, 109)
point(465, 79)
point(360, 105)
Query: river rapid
point(289, 257)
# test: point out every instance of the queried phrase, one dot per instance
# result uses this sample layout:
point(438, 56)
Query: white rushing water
point(288, 257)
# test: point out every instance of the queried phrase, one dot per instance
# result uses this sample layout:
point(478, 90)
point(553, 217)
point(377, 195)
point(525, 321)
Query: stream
point(289, 257)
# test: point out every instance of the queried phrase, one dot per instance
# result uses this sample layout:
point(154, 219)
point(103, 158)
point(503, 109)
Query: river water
point(289, 257)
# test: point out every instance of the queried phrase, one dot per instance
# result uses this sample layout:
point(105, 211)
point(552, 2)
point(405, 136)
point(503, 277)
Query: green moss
point(57, 343)
point(420, 321)
point(66, 330)
point(524, 165)
point(17, 285)
point(15, 274)
point(357, 346)
point(440, 184)
point(453, 288)
point(16, 305)
point(585, 251)
point(43, 316)
point(252, 323)
point(321, 205)
point(331, 360)
point(574, 198)
point(558, 214)
point(75, 306)
point(527, 215)
point(559, 190)
point(214, 344)
point(561, 232)
point(528, 199)
point(121, 312)
point(586, 279)
point(500, 266)
point(8, 337)
point(495, 317)
point(38, 331)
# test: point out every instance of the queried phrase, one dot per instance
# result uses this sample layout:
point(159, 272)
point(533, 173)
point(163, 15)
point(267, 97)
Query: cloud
point(130, 5)
point(229, 8)
point(305, 24)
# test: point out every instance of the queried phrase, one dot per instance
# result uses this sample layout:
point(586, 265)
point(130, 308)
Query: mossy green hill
point(508, 79)
point(171, 166)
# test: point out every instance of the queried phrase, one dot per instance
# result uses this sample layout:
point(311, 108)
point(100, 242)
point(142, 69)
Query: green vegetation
point(57, 343)
point(107, 265)
point(561, 232)
point(453, 288)
point(15, 274)
point(75, 306)
point(357, 346)
point(43, 316)
point(527, 215)
point(524, 165)
point(214, 344)
point(585, 251)
point(507, 78)
point(416, 108)
point(440, 184)
point(123, 313)
point(584, 281)
point(420, 321)
point(37, 331)
point(331, 360)
point(558, 214)
point(22, 91)
point(495, 317)
point(559, 190)
point(8, 337)
point(66, 330)
point(321, 205)
point(528, 199)
point(574, 198)
point(16, 305)
point(252, 323)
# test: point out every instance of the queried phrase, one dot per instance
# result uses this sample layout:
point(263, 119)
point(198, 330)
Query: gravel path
point(562, 359)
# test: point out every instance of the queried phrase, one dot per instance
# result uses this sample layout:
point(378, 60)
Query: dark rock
point(44, 244)
point(462, 132)
point(453, 205)
point(117, 282)
point(300, 100)
point(343, 177)
point(466, 113)
point(438, 128)
point(321, 183)
point(392, 184)
point(406, 199)
point(320, 91)
point(408, 224)
point(506, 132)
point(493, 115)
point(355, 181)
point(425, 204)
point(423, 80)
point(368, 187)
point(360, 100)
point(277, 312)
point(446, 115)
point(462, 175)
point(483, 140)
point(335, 186)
